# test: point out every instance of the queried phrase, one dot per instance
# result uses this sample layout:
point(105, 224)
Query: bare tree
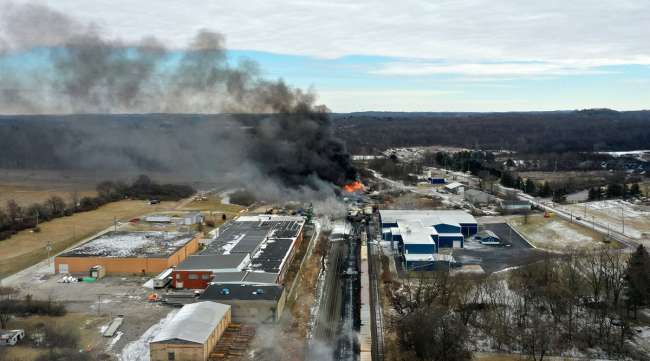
point(7, 296)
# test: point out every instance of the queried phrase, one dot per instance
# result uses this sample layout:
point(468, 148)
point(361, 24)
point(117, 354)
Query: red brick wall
point(199, 283)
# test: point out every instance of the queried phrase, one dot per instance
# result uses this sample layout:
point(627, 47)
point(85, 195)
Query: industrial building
point(455, 187)
point(250, 303)
point(250, 249)
point(515, 206)
point(419, 235)
point(192, 333)
point(129, 253)
point(478, 198)
point(187, 219)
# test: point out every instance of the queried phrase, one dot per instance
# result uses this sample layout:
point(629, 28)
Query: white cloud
point(610, 31)
point(491, 70)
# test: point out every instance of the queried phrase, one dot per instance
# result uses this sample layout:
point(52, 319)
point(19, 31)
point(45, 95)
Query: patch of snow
point(565, 233)
point(148, 284)
point(114, 340)
point(138, 350)
point(122, 244)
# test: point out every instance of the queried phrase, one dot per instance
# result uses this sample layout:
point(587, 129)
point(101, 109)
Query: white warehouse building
point(420, 234)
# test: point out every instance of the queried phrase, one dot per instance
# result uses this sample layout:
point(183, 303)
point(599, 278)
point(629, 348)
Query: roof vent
point(225, 291)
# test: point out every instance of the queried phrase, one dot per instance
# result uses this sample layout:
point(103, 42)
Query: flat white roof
point(414, 232)
point(269, 217)
point(195, 322)
point(454, 185)
point(417, 226)
point(427, 217)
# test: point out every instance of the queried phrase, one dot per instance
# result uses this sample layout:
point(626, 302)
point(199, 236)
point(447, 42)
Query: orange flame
point(353, 187)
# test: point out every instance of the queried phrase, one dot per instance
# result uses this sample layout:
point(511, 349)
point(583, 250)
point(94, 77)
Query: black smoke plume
point(267, 129)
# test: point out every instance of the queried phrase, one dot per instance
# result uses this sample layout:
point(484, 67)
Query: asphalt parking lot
point(515, 251)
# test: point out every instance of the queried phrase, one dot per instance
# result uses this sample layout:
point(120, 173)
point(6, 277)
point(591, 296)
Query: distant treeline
point(539, 132)
point(14, 218)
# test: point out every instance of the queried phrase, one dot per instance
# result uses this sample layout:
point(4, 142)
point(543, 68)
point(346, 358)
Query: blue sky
point(412, 55)
point(356, 83)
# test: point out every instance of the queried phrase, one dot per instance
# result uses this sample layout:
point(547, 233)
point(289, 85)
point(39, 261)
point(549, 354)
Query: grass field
point(26, 195)
point(27, 248)
point(87, 326)
point(556, 234)
point(596, 175)
point(213, 209)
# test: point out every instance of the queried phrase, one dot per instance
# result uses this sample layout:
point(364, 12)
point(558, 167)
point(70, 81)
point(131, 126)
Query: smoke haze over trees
point(539, 132)
point(81, 71)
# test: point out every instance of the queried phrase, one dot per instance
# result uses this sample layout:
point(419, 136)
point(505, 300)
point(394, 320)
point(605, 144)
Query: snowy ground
point(617, 214)
point(138, 350)
point(556, 234)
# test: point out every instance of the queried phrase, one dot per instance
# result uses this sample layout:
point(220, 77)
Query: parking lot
point(514, 252)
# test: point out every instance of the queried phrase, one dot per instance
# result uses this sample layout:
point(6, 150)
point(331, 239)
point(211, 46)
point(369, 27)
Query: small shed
point(97, 271)
point(192, 333)
point(192, 218)
point(455, 187)
point(158, 219)
point(435, 180)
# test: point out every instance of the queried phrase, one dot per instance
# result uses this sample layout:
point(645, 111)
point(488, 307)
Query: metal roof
point(261, 278)
point(454, 185)
point(271, 255)
point(227, 277)
point(245, 292)
point(428, 217)
point(213, 261)
point(414, 232)
point(121, 244)
point(194, 323)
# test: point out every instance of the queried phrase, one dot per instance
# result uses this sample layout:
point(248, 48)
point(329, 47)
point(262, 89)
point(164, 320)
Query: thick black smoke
point(84, 72)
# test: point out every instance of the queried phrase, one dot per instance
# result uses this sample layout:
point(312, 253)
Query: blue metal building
point(419, 235)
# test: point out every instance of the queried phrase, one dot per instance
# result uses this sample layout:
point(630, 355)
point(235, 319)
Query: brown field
point(26, 195)
point(213, 209)
point(596, 175)
point(27, 248)
point(87, 326)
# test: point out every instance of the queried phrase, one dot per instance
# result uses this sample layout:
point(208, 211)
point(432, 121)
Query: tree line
point(56, 341)
point(15, 218)
point(581, 301)
point(531, 132)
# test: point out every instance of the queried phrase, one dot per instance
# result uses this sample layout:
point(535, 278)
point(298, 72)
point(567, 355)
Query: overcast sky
point(416, 55)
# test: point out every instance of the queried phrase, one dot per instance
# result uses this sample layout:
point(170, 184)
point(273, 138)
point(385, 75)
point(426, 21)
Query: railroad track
point(375, 305)
point(326, 327)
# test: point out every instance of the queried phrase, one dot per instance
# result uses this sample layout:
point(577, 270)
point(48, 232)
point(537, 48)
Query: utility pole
point(48, 247)
point(623, 220)
point(593, 223)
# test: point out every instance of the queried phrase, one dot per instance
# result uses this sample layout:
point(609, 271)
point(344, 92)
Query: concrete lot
point(515, 252)
point(109, 297)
